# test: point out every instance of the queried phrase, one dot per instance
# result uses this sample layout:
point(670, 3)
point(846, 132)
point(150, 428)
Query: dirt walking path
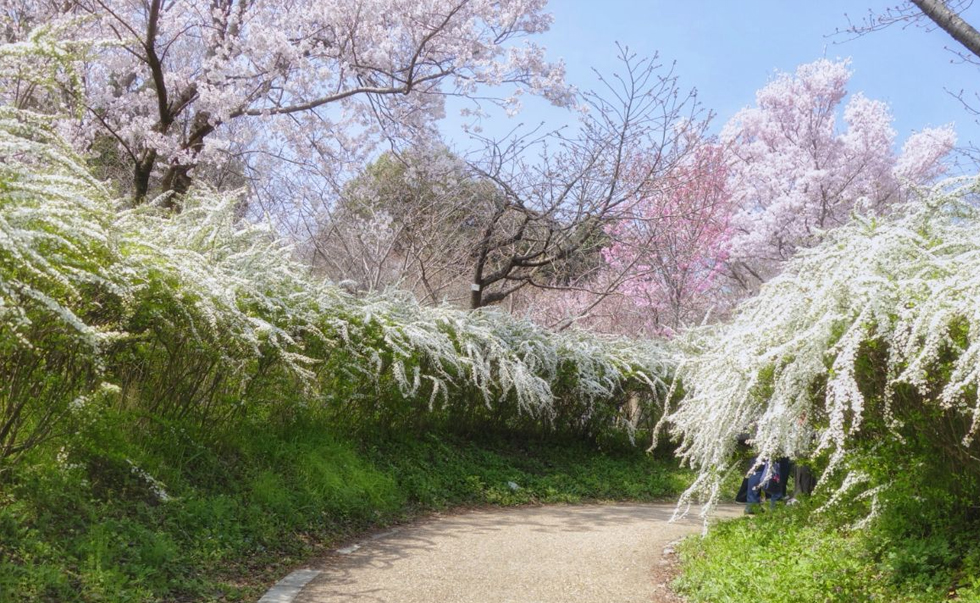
point(591, 554)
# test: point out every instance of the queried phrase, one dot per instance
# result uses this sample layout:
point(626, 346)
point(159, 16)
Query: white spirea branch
point(785, 366)
point(233, 289)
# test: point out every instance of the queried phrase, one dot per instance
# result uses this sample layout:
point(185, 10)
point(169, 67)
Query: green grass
point(79, 524)
point(919, 541)
point(792, 555)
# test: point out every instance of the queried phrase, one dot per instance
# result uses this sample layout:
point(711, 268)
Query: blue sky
point(727, 50)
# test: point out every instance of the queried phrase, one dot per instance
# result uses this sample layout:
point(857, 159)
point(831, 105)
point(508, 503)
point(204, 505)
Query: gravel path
point(594, 553)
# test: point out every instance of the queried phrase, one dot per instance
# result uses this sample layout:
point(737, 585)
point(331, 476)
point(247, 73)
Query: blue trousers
point(754, 494)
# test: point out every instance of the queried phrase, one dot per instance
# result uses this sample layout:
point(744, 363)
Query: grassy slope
point(921, 546)
point(79, 523)
point(794, 556)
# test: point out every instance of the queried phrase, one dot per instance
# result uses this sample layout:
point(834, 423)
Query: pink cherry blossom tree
point(183, 84)
point(795, 172)
point(670, 245)
point(781, 174)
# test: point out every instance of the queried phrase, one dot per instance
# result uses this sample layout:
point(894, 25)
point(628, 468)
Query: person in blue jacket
point(774, 487)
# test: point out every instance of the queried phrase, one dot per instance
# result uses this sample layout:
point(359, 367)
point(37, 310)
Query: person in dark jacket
point(774, 487)
point(803, 481)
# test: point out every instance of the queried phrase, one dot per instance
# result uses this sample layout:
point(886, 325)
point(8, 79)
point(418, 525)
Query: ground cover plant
point(794, 555)
point(920, 548)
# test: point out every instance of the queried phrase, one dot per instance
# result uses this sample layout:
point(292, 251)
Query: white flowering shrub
point(59, 304)
point(400, 361)
point(198, 314)
point(870, 338)
point(216, 302)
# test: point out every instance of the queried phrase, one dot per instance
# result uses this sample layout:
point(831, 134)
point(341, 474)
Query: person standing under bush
point(803, 482)
point(774, 486)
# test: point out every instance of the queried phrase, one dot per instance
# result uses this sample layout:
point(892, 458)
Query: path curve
point(591, 553)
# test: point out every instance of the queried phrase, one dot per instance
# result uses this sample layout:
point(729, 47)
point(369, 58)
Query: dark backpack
point(778, 477)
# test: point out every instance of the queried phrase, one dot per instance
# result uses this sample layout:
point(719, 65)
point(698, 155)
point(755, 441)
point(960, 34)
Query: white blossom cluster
point(156, 487)
point(502, 356)
point(111, 279)
point(784, 369)
point(53, 227)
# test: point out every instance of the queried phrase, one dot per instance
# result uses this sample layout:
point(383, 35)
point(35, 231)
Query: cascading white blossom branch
point(784, 369)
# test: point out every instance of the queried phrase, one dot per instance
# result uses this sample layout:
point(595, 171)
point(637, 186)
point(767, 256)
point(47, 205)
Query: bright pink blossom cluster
point(672, 239)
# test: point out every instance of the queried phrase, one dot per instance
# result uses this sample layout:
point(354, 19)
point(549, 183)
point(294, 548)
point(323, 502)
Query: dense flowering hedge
point(200, 314)
point(871, 336)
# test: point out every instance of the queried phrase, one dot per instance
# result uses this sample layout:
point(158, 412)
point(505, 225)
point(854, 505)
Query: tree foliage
point(531, 211)
point(409, 220)
point(671, 242)
point(562, 194)
point(795, 173)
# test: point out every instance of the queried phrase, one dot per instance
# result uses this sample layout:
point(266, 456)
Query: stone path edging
point(285, 590)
